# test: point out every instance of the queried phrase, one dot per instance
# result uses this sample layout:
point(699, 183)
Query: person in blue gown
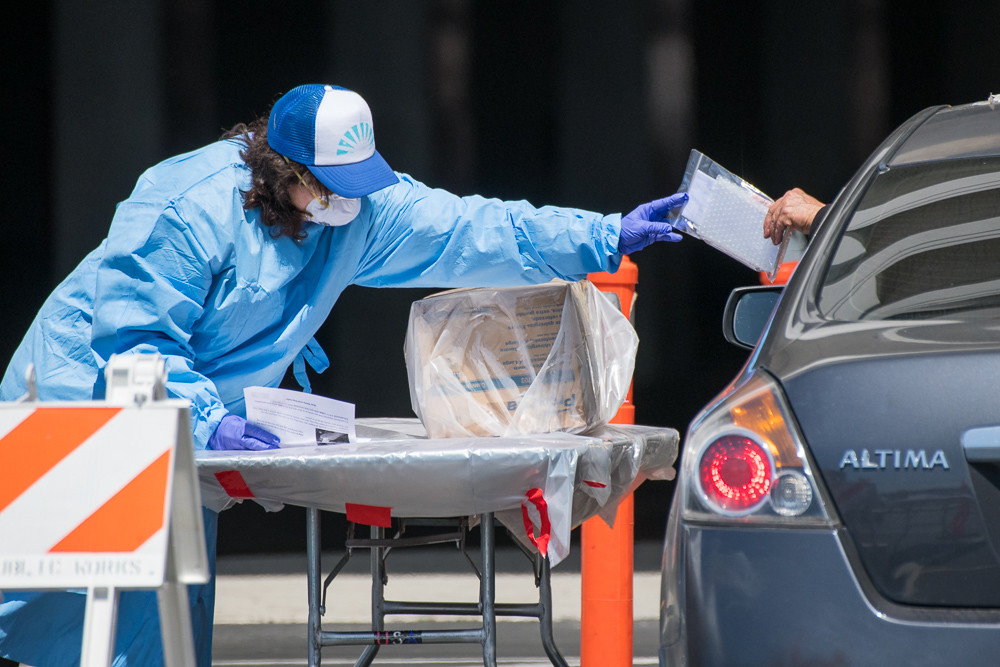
point(226, 261)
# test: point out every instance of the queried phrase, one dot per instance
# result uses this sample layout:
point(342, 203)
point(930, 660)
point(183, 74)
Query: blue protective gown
point(187, 272)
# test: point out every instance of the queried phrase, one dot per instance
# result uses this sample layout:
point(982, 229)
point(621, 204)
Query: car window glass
point(924, 243)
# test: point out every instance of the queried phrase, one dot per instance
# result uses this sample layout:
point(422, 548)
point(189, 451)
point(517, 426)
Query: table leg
point(488, 590)
point(313, 584)
point(545, 617)
point(487, 607)
point(378, 596)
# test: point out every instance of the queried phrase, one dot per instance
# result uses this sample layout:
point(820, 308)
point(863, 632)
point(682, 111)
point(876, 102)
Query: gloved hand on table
point(645, 224)
point(236, 433)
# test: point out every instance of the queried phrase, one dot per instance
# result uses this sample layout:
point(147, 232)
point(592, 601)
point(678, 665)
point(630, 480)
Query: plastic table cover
point(539, 486)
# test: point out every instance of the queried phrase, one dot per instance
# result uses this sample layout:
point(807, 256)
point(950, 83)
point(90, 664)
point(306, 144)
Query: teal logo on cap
point(359, 137)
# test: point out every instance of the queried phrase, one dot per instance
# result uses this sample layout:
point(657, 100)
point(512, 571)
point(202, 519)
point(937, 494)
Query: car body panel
point(757, 605)
point(902, 485)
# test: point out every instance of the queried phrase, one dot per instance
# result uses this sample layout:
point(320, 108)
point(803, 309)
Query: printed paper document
point(300, 419)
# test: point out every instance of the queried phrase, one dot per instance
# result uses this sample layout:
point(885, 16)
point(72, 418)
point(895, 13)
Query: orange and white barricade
point(103, 496)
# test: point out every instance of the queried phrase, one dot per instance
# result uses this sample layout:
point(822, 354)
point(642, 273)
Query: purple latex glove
point(644, 225)
point(236, 433)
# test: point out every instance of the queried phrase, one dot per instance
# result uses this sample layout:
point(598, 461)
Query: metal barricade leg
point(99, 622)
point(175, 614)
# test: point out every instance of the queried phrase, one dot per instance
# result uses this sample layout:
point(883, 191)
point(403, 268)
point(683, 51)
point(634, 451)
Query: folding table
point(537, 486)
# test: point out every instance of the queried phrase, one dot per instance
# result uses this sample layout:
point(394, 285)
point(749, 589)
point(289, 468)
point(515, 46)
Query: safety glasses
point(324, 202)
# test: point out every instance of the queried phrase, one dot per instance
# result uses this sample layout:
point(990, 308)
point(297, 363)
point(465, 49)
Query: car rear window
point(923, 243)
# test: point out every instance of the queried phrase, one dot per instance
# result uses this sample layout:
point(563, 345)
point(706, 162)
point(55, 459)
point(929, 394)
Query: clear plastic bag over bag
point(518, 360)
point(727, 213)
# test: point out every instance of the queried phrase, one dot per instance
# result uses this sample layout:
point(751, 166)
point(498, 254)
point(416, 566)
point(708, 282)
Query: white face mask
point(338, 210)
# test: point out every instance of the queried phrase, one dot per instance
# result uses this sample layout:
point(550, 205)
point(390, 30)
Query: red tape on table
point(233, 483)
point(535, 512)
point(369, 515)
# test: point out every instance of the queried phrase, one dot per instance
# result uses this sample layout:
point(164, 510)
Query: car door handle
point(982, 444)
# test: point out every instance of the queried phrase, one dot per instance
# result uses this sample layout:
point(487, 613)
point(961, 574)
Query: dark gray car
point(839, 502)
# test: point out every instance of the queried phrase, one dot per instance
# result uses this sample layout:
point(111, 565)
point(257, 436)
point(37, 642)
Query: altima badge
point(893, 459)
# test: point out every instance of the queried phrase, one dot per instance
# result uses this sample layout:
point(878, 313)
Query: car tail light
point(735, 473)
point(744, 459)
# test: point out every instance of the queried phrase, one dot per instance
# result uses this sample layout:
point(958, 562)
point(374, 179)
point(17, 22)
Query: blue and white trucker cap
point(329, 130)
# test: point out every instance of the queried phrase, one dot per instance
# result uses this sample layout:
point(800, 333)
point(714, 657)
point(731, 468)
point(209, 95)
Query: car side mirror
point(747, 313)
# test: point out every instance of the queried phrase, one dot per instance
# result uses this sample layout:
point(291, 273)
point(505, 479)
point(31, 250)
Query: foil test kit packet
point(727, 212)
point(515, 360)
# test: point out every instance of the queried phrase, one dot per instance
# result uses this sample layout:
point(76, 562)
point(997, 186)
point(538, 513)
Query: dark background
point(579, 103)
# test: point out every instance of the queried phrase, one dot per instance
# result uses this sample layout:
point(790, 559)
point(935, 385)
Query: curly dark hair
point(272, 175)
